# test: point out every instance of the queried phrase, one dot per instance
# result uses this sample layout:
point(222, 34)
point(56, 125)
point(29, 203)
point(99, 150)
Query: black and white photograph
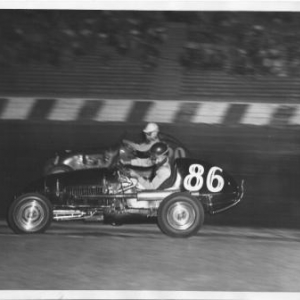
point(150, 152)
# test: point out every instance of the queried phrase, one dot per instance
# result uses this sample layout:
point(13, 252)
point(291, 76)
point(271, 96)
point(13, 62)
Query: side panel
point(217, 189)
point(200, 176)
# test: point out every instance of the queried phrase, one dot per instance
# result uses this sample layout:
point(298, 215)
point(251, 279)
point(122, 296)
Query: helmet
point(151, 127)
point(159, 149)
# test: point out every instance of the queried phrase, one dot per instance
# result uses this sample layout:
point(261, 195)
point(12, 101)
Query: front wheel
point(180, 215)
point(30, 213)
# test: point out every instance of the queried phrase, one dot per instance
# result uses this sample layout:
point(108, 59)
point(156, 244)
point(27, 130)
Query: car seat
point(171, 179)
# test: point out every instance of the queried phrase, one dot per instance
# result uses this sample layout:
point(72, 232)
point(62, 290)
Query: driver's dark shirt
point(161, 174)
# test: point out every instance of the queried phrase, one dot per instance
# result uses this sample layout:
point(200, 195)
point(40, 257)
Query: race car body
point(179, 204)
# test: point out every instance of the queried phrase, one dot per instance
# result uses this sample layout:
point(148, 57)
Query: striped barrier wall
point(160, 111)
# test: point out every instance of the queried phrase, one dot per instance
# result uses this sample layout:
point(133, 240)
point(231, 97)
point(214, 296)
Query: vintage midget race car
point(70, 160)
point(109, 195)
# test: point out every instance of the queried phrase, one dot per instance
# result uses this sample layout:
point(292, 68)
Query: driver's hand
point(126, 172)
point(133, 174)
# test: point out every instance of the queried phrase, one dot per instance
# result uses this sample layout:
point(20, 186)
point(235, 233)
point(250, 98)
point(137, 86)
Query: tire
point(59, 169)
point(30, 213)
point(180, 215)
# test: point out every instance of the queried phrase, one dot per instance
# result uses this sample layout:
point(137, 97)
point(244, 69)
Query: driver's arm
point(138, 162)
point(127, 142)
point(143, 147)
point(141, 162)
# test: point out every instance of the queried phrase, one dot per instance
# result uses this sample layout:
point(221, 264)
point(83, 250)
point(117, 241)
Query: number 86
point(194, 181)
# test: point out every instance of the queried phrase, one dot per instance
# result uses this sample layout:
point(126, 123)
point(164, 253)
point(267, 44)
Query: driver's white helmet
point(151, 127)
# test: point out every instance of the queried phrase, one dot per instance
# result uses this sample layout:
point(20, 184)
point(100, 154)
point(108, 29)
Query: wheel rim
point(181, 215)
point(31, 215)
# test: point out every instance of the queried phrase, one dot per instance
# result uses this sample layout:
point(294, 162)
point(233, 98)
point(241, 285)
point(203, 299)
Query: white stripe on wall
point(66, 109)
point(163, 111)
point(259, 113)
point(18, 108)
point(295, 119)
point(211, 112)
point(114, 111)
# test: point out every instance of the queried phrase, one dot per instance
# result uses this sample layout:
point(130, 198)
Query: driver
point(159, 158)
point(151, 132)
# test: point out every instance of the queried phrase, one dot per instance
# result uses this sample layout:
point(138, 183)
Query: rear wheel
point(180, 215)
point(30, 213)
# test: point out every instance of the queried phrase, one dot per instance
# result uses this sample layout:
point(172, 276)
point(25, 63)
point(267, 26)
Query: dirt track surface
point(139, 257)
